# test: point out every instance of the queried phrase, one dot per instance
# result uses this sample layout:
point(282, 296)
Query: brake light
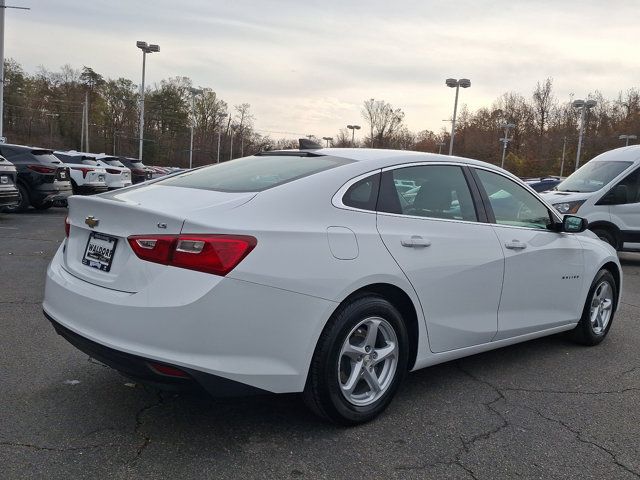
point(167, 370)
point(41, 168)
point(113, 171)
point(138, 171)
point(67, 226)
point(217, 254)
point(84, 170)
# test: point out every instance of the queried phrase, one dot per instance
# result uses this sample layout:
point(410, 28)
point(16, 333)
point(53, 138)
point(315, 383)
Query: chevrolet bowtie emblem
point(91, 221)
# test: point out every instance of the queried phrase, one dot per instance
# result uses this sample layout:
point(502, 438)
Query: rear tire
point(359, 362)
point(598, 312)
point(23, 203)
point(607, 236)
point(42, 206)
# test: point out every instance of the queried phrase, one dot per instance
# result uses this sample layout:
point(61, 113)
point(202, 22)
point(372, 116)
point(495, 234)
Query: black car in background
point(139, 172)
point(42, 178)
point(544, 183)
point(9, 195)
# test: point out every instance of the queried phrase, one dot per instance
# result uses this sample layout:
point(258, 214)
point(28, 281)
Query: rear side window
point(254, 174)
point(439, 191)
point(363, 194)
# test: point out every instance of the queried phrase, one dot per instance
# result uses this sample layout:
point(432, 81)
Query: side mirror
point(573, 224)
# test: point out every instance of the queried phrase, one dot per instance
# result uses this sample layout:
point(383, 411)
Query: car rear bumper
point(141, 369)
point(44, 193)
point(91, 188)
point(9, 197)
point(251, 334)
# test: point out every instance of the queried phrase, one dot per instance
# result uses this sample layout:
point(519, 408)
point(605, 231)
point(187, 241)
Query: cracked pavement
point(542, 409)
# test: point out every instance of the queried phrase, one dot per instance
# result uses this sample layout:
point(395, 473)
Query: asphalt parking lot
point(543, 409)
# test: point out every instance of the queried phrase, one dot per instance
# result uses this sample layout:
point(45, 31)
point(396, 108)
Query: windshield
point(253, 174)
point(592, 176)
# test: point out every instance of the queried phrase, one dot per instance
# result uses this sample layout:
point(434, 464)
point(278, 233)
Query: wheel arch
point(609, 226)
point(615, 271)
point(400, 300)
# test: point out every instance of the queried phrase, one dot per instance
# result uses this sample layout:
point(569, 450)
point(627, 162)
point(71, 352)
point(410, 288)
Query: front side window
point(438, 191)
point(627, 191)
point(512, 204)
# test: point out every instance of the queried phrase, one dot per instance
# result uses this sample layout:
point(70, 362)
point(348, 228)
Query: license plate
point(99, 251)
point(101, 178)
point(4, 180)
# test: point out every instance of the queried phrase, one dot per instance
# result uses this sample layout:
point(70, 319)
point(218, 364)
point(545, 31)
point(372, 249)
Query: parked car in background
point(158, 172)
point(9, 196)
point(42, 178)
point(139, 171)
point(303, 271)
point(543, 184)
point(118, 176)
point(87, 177)
point(605, 191)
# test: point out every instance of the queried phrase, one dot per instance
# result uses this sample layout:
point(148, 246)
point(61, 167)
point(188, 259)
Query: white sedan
point(306, 271)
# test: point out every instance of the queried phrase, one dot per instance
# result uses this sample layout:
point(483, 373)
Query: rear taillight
point(217, 254)
point(41, 168)
point(137, 171)
point(168, 370)
point(67, 226)
point(113, 171)
point(84, 170)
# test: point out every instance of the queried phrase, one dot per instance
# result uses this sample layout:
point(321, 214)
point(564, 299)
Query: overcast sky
point(306, 66)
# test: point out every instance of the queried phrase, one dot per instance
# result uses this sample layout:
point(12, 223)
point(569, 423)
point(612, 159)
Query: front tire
point(23, 202)
point(359, 362)
point(598, 312)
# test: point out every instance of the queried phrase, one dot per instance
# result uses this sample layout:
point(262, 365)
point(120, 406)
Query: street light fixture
point(222, 117)
point(453, 83)
point(328, 139)
point(505, 141)
point(353, 129)
point(627, 138)
point(145, 49)
point(584, 106)
point(194, 92)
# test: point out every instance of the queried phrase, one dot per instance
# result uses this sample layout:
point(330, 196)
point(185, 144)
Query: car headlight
point(568, 207)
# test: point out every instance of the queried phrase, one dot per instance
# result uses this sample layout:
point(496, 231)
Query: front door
point(626, 211)
point(452, 259)
point(543, 268)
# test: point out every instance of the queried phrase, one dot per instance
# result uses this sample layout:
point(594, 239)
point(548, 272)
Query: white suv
point(605, 191)
point(87, 177)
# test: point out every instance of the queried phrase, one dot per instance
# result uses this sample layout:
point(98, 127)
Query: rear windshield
point(254, 174)
point(45, 156)
point(114, 162)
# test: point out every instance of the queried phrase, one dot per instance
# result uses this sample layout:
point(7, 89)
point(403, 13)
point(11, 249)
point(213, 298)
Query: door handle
point(515, 245)
point(415, 241)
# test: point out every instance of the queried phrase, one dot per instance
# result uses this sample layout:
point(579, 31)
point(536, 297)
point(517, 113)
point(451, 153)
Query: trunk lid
point(149, 209)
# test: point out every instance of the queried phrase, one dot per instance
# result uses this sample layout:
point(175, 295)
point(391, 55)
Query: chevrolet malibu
point(308, 271)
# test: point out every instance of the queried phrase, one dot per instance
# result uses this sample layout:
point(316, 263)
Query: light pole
point(453, 83)
point(3, 7)
point(51, 117)
point(328, 139)
point(222, 117)
point(564, 148)
point(194, 92)
point(627, 138)
point(505, 141)
point(440, 145)
point(232, 128)
point(353, 129)
point(145, 49)
point(583, 106)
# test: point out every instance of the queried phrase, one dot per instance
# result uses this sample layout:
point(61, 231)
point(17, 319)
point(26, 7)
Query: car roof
point(622, 154)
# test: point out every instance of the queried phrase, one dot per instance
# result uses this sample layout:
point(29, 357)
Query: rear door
point(543, 268)
point(438, 236)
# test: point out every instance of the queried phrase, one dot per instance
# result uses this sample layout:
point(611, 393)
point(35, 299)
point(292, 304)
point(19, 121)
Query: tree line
point(45, 109)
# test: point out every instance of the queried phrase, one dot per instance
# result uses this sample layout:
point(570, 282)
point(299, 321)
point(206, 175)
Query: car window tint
point(631, 184)
point(363, 194)
point(435, 191)
point(512, 204)
point(254, 174)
